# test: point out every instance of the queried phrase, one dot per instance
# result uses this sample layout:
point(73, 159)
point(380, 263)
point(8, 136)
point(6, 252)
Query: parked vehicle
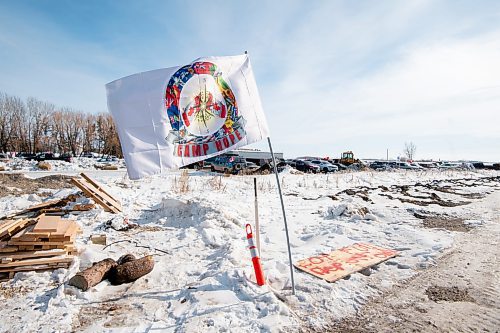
point(427, 165)
point(87, 154)
point(26, 156)
point(416, 165)
point(109, 159)
point(347, 158)
point(228, 164)
point(51, 156)
point(449, 165)
point(402, 165)
point(306, 166)
point(325, 166)
point(67, 157)
point(339, 166)
point(292, 163)
point(250, 166)
point(4, 158)
point(380, 166)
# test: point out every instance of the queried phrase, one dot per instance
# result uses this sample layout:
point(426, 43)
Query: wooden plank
point(345, 261)
point(42, 243)
point(101, 189)
point(7, 224)
point(21, 235)
point(34, 268)
point(8, 227)
point(71, 231)
point(45, 204)
point(97, 192)
point(32, 254)
point(15, 227)
point(41, 261)
point(4, 224)
point(47, 223)
point(4, 247)
point(102, 200)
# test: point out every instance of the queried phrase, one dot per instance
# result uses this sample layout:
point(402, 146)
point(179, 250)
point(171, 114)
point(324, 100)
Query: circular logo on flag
point(199, 101)
point(202, 111)
point(202, 106)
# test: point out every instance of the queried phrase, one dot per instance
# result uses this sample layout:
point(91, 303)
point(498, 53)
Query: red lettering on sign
point(218, 145)
point(355, 258)
point(196, 150)
point(316, 260)
point(231, 137)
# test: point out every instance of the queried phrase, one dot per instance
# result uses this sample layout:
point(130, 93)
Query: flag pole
point(284, 215)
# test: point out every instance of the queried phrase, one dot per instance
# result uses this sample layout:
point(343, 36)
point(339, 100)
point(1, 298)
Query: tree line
point(34, 126)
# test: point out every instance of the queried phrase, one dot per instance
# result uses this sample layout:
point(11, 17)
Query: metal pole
point(284, 215)
point(257, 227)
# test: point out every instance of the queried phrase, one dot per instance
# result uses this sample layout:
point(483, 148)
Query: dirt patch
point(448, 223)
point(448, 294)
point(112, 313)
point(10, 292)
point(18, 183)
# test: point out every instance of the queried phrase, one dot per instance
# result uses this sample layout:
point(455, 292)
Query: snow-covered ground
point(76, 164)
point(203, 275)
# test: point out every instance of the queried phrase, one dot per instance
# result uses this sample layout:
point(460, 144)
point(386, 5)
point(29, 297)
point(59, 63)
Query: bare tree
point(11, 123)
point(7, 128)
point(34, 126)
point(410, 150)
point(107, 135)
point(37, 120)
point(89, 132)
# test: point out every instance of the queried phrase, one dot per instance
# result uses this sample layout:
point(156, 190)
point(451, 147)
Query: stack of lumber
point(44, 243)
point(38, 238)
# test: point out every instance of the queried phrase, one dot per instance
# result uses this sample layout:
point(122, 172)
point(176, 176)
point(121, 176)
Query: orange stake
point(259, 274)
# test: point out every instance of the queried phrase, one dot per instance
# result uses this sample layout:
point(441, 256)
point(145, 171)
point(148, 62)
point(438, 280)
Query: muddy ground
point(18, 183)
point(460, 294)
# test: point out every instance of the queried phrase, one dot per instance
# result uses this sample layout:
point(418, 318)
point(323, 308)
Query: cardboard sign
point(345, 261)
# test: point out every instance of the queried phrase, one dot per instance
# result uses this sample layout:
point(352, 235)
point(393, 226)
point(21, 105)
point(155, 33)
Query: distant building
point(258, 157)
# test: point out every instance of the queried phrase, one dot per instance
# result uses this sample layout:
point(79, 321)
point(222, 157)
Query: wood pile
point(42, 243)
point(38, 238)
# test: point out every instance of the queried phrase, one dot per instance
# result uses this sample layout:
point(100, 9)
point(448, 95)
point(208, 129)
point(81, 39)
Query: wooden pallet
point(95, 191)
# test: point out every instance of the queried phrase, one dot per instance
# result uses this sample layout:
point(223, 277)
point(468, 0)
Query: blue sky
point(333, 75)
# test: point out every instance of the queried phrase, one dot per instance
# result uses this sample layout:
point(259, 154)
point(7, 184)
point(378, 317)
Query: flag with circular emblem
point(171, 117)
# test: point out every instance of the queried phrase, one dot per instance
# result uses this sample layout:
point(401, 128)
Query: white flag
point(171, 117)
